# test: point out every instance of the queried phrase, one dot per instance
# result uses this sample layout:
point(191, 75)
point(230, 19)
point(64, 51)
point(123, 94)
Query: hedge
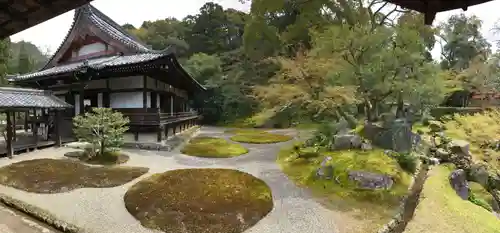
point(443, 111)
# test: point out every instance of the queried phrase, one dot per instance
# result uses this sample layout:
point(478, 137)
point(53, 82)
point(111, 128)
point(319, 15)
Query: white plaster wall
point(91, 48)
point(126, 83)
point(126, 100)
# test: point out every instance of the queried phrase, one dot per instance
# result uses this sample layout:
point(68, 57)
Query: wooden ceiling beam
point(18, 15)
point(431, 7)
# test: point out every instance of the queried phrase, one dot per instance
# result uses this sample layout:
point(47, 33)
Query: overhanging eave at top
point(16, 16)
point(431, 7)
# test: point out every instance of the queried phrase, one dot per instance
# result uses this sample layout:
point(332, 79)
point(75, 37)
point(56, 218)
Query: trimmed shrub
point(439, 112)
point(407, 162)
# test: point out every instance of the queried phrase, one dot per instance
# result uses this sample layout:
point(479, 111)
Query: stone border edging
point(39, 214)
point(398, 222)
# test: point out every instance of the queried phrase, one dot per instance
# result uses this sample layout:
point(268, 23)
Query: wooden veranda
point(42, 114)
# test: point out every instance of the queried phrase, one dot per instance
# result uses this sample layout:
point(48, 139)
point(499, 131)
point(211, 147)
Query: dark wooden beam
point(14, 134)
point(145, 92)
point(26, 117)
point(10, 148)
point(82, 97)
point(57, 128)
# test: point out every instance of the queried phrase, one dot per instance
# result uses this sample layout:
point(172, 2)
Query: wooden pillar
point(106, 95)
point(144, 92)
point(14, 126)
point(166, 131)
point(82, 98)
point(57, 128)
point(10, 148)
point(136, 134)
point(171, 105)
point(159, 134)
point(34, 128)
point(26, 117)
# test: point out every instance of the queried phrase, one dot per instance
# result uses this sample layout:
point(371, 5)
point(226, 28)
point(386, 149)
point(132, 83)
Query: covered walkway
point(41, 112)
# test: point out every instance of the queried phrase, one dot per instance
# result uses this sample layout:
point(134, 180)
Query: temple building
point(100, 64)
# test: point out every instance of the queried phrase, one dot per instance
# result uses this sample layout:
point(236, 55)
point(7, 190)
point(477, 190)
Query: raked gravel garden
point(99, 202)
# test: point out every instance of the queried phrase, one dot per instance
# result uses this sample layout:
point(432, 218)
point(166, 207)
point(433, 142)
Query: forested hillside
point(316, 59)
point(295, 60)
point(25, 57)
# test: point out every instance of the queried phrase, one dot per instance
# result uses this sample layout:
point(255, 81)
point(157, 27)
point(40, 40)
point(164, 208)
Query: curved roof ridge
point(107, 26)
point(114, 24)
point(71, 29)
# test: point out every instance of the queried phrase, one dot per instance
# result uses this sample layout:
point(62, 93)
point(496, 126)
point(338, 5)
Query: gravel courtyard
point(101, 210)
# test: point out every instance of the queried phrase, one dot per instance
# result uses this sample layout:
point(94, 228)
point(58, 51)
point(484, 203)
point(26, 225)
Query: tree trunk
point(102, 148)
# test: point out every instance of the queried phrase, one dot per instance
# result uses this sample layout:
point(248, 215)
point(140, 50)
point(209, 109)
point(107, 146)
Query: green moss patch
point(361, 210)
point(109, 158)
point(56, 176)
point(442, 210)
point(258, 136)
point(245, 131)
point(199, 200)
point(213, 148)
point(480, 196)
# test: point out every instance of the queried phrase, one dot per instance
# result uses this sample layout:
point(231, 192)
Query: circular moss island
point(108, 158)
point(199, 200)
point(260, 137)
point(210, 147)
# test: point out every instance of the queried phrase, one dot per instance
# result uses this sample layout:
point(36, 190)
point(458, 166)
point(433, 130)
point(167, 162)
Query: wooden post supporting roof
point(10, 148)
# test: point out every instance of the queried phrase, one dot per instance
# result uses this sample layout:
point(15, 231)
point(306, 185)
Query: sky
point(49, 35)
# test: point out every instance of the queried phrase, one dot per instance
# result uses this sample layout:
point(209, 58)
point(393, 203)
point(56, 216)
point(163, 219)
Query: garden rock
point(326, 170)
point(479, 173)
point(442, 154)
point(459, 146)
point(461, 160)
point(458, 181)
point(494, 181)
point(366, 146)
point(369, 180)
point(347, 141)
point(433, 161)
point(496, 196)
point(436, 126)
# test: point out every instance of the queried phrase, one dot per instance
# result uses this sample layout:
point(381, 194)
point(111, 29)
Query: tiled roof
point(29, 98)
point(89, 14)
point(114, 30)
point(96, 63)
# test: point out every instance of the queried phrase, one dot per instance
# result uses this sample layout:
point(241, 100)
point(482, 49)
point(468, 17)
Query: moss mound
point(110, 158)
point(362, 210)
point(56, 176)
point(210, 147)
point(257, 136)
point(442, 210)
point(199, 200)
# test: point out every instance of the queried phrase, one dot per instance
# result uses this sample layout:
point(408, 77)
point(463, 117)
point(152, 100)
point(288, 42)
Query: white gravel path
point(101, 210)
